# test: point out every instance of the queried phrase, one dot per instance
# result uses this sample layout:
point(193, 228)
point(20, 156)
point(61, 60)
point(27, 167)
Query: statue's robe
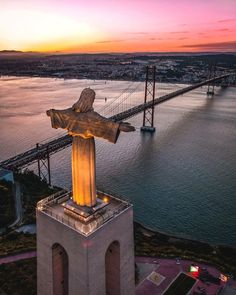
point(84, 127)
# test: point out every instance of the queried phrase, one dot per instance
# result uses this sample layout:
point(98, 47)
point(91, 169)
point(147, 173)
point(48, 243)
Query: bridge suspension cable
point(121, 102)
point(55, 145)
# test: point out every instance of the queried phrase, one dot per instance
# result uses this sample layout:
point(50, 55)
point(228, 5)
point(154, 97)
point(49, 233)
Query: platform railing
point(100, 217)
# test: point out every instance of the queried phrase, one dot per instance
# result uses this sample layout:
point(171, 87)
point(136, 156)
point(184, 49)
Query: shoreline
point(149, 243)
point(180, 237)
point(101, 79)
point(87, 78)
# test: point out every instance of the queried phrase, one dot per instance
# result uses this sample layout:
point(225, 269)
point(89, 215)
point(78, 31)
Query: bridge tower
point(148, 114)
point(226, 82)
point(211, 85)
point(43, 161)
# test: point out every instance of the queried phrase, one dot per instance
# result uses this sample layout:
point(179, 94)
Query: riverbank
point(105, 79)
point(148, 242)
point(151, 247)
point(151, 243)
point(126, 67)
point(146, 267)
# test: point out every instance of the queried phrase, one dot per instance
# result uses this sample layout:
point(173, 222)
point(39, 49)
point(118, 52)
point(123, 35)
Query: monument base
point(148, 129)
point(83, 213)
point(210, 92)
point(85, 252)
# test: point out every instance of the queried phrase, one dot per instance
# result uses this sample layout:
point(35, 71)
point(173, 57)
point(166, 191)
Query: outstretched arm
point(48, 112)
point(126, 127)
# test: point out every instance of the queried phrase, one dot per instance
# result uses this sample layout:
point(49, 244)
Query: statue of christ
point(83, 123)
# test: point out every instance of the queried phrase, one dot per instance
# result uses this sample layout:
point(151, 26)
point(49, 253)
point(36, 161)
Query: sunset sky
point(118, 25)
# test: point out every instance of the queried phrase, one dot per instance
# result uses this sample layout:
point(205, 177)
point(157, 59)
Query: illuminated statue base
point(84, 213)
point(82, 249)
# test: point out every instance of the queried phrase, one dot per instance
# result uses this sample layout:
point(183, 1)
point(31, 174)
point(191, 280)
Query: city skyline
point(118, 26)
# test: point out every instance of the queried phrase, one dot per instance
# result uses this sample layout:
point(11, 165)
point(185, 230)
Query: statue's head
point(85, 102)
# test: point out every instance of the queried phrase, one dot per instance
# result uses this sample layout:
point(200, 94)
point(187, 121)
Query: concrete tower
point(80, 252)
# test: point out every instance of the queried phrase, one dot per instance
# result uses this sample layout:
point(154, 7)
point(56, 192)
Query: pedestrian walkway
point(21, 256)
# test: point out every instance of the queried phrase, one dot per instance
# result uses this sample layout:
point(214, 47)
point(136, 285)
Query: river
point(181, 179)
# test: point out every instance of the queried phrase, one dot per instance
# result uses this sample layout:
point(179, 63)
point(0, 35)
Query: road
point(18, 208)
point(18, 205)
point(17, 257)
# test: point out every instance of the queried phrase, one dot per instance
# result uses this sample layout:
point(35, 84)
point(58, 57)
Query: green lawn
point(18, 278)
point(7, 203)
point(181, 285)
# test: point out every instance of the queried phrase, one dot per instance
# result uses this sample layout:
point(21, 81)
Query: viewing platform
point(83, 219)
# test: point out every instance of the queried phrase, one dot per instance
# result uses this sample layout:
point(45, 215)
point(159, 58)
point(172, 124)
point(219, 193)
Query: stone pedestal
point(83, 171)
point(96, 258)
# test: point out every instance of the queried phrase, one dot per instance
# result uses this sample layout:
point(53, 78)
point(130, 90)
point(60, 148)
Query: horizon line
point(114, 52)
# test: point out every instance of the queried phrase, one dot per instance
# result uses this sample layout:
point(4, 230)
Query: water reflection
point(180, 179)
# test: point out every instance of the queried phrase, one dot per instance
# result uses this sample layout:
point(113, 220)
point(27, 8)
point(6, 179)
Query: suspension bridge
point(41, 153)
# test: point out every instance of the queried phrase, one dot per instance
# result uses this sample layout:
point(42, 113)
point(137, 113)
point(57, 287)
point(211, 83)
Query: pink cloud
point(228, 46)
point(227, 20)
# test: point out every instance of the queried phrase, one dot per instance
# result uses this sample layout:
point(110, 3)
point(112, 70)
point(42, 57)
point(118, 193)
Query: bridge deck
point(29, 157)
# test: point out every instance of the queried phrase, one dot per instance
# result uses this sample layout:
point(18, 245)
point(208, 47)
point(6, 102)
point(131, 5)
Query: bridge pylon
point(211, 85)
point(44, 171)
point(148, 114)
point(226, 82)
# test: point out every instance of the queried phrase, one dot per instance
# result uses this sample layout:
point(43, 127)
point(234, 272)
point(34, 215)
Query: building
point(6, 175)
point(82, 250)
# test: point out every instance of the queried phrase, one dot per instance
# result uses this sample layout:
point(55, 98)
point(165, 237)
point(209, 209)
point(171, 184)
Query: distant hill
point(10, 51)
point(18, 53)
